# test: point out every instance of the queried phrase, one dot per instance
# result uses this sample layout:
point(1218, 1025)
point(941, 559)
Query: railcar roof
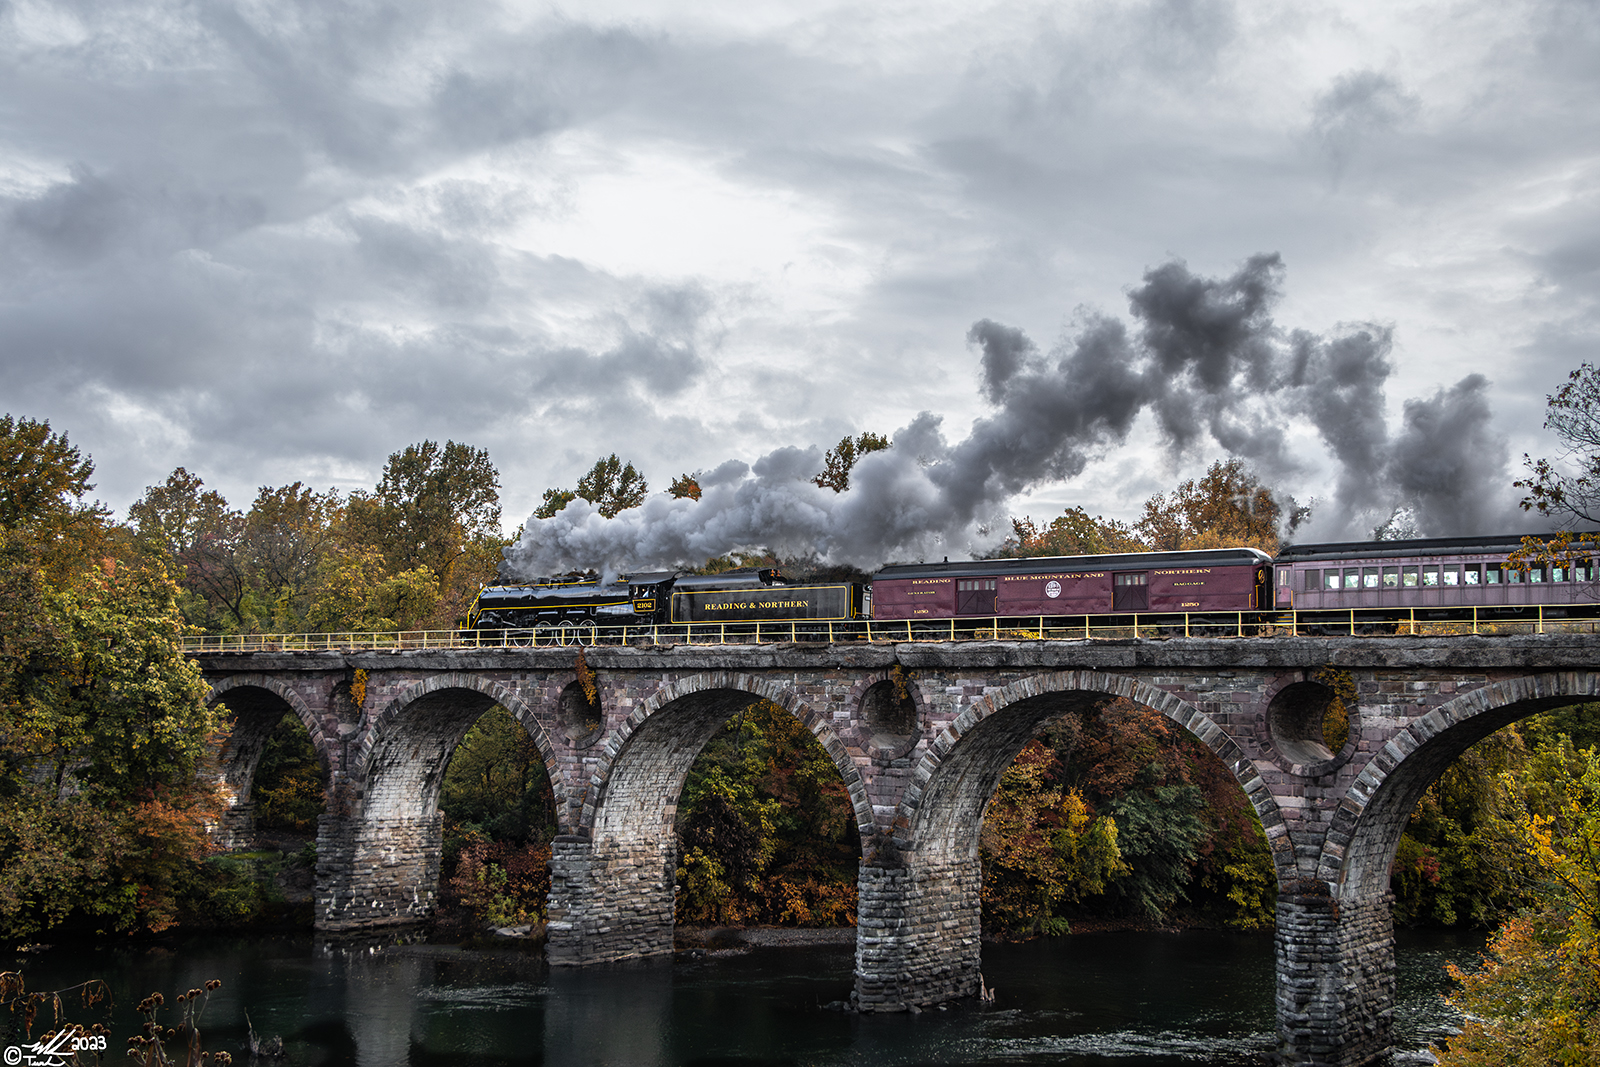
point(1215, 557)
point(1417, 546)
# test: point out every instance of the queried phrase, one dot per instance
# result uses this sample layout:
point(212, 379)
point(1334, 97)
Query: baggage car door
point(975, 596)
point(1130, 591)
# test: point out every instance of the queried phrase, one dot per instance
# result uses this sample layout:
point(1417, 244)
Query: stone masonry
point(920, 734)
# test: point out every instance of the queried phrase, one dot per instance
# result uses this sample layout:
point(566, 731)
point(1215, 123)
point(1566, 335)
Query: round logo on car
point(1052, 589)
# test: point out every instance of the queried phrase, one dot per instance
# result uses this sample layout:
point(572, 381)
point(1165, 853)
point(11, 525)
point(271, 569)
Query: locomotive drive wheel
point(544, 634)
point(565, 634)
point(586, 632)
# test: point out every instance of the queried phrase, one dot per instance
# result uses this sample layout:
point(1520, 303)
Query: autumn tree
point(1227, 507)
point(106, 727)
point(289, 534)
point(499, 819)
point(1072, 533)
point(1568, 487)
point(841, 459)
point(1536, 997)
point(43, 482)
point(435, 511)
point(1043, 850)
point(103, 721)
point(429, 506)
point(685, 486)
point(200, 539)
point(765, 827)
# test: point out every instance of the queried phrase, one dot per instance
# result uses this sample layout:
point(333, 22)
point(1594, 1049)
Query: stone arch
point(400, 763)
point(1365, 832)
point(626, 768)
point(258, 703)
point(612, 892)
point(943, 807)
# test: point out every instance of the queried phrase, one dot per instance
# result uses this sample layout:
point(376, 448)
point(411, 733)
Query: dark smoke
point(1207, 360)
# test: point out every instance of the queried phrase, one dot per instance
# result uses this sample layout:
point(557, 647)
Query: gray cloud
point(1360, 106)
point(276, 238)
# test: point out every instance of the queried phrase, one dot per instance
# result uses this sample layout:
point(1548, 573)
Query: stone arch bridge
point(920, 734)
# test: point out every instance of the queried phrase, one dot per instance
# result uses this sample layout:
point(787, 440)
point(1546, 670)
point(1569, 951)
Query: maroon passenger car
point(1226, 580)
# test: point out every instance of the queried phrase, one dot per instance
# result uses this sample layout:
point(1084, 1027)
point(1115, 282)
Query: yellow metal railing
point(1535, 618)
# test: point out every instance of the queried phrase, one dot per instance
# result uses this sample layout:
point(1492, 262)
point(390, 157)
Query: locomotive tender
point(1361, 584)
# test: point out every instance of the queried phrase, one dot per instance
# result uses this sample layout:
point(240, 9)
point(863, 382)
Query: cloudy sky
point(272, 241)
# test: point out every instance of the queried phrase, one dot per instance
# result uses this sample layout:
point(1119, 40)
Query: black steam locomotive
point(578, 608)
point(1368, 586)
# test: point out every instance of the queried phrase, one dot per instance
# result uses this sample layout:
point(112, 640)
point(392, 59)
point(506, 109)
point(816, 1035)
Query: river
point(1125, 999)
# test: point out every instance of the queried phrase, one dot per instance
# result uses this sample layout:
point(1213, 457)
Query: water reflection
point(1130, 999)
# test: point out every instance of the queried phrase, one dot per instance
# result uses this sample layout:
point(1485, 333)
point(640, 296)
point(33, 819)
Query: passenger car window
point(1430, 575)
point(1331, 579)
point(1391, 577)
point(1352, 578)
point(1452, 576)
point(1408, 578)
point(1491, 574)
point(1369, 577)
point(1469, 575)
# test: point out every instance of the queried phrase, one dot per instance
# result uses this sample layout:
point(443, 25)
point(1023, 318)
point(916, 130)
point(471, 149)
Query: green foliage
point(95, 689)
point(289, 785)
point(429, 504)
point(409, 555)
point(553, 501)
point(501, 884)
point(610, 484)
point(103, 722)
point(42, 482)
point(1184, 829)
point(499, 817)
point(1536, 998)
point(496, 783)
point(42, 476)
point(1160, 831)
point(842, 458)
point(765, 827)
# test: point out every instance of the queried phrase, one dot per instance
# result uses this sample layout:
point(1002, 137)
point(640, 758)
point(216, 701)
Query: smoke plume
point(1205, 360)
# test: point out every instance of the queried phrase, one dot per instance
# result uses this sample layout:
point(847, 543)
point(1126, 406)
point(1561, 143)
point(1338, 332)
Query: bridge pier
point(609, 901)
point(917, 934)
point(376, 871)
point(1336, 979)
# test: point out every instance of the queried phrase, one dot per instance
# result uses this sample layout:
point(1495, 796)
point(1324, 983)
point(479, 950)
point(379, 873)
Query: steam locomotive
point(1344, 586)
